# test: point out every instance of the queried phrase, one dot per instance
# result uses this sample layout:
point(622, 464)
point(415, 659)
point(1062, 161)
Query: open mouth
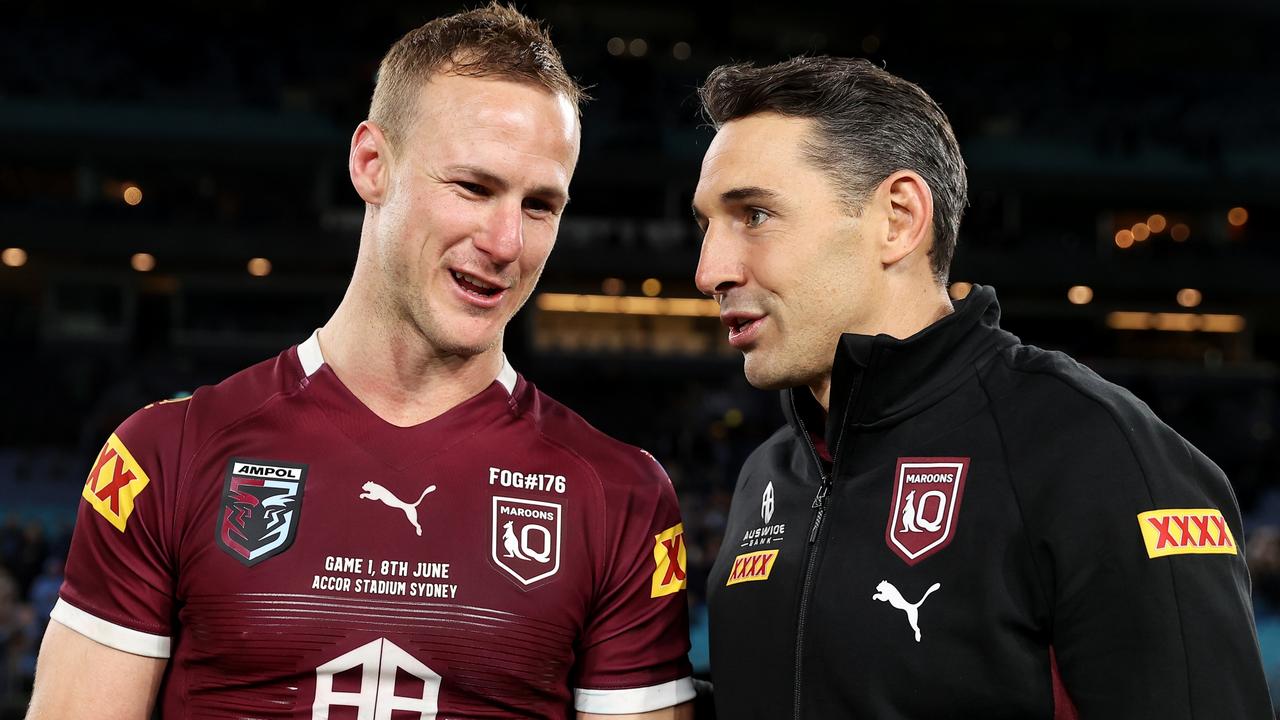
point(743, 330)
point(474, 285)
point(743, 326)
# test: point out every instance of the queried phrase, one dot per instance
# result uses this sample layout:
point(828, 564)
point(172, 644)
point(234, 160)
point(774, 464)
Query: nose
point(502, 238)
point(720, 265)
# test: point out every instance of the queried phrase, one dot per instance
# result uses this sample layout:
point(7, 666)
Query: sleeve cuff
point(634, 700)
point(108, 633)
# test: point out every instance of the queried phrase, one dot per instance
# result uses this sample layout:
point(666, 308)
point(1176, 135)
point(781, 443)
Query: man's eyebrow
point(750, 192)
point(546, 192)
point(738, 195)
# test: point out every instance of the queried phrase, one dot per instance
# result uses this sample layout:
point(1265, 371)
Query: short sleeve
point(119, 586)
point(634, 653)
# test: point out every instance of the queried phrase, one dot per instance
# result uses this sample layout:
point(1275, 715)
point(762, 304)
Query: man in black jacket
point(953, 524)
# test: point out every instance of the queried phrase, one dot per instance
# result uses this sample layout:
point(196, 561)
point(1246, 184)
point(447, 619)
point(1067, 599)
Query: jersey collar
point(312, 359)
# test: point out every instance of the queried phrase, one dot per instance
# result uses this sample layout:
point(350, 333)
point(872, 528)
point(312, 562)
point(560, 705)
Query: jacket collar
point(878, 379)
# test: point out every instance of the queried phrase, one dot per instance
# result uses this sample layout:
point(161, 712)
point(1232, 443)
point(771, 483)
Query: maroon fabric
point(1063, 708)
point(305, 626)
point(820, 444)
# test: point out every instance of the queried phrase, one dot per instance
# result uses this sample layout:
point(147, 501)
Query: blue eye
point(756, 217)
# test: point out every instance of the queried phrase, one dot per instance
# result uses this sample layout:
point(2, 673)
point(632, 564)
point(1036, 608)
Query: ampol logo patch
point(525, 538)
point(113, 483)
point(260, 509)
point(926, 501)
point(670, 557)
point(1200, 531)
point(749, 567)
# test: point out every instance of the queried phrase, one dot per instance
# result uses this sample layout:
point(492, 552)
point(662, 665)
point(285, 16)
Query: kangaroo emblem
point(911, 516)
point(512, 546)
point(888, 593)
point(374, 491)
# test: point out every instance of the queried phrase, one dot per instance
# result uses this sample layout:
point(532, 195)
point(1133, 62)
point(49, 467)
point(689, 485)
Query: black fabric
point(1045, 549)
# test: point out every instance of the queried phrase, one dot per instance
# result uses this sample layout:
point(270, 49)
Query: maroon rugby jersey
point(295, 556)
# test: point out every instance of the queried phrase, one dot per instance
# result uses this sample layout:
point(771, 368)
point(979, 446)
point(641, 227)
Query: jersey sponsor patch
point(926, 502)
point(670, 556)
point(114, 483)
point(525, 538)
point(1198, 531)
point(749, 567)
point(260, 509)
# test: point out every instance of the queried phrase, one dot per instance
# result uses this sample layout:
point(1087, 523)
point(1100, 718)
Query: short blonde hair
point(493, 41)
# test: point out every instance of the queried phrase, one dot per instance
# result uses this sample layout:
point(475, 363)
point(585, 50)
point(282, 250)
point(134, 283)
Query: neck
point(822, 391)
point(391, 368)
point(904, 312)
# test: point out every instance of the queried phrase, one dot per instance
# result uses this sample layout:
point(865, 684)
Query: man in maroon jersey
point(387, 521)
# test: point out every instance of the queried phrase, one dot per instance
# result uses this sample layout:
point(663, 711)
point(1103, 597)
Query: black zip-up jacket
point(998, 519)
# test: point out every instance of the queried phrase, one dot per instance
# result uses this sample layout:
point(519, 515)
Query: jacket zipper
point(820, 507)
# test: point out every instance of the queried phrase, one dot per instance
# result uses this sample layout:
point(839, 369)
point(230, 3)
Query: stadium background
point(174, 206)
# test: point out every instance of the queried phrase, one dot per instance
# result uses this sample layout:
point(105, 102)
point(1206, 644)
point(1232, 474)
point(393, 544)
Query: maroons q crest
point(925, 506)
point(525, 539)
point(260, 508)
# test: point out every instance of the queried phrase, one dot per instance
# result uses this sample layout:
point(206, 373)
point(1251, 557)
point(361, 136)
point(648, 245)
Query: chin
point(467, 345)
point(763, 377)
point(453, 337)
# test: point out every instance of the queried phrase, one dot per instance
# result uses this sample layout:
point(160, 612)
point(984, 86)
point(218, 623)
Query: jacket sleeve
point(1137, 542)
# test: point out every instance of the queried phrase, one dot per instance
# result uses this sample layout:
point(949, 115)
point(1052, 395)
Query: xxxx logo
point(114, 482)
point(750, 567)
point(670, 556)
point(1186, 532)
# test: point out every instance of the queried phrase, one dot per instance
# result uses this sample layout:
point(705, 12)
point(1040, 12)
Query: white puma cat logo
point(888, 593)
point(374, 491)
point(512, 546)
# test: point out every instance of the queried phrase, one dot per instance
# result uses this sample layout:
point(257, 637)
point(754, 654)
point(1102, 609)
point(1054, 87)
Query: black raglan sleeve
point(1137, 542)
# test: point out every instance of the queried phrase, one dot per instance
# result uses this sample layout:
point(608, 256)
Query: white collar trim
point(309, 354)
point(311, 358)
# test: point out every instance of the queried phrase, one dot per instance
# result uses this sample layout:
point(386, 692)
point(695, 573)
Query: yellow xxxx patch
point(1184, 531)
point(669, 556)
point(114, 482)
point(749, 567)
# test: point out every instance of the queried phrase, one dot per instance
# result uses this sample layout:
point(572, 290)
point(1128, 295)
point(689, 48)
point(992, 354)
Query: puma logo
point(888, 593)
point(911, 519)
point(512, 546)
point(374, 491)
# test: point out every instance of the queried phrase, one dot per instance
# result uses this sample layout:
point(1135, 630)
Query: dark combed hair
point(492, 41)
point(870, 124)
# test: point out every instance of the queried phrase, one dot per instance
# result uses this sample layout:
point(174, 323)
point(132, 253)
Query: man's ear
point(370, 163)
point(909, 204)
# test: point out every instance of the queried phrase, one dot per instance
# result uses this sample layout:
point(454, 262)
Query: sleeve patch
point(670, 557)
point(1199, 531)
point(114, 482)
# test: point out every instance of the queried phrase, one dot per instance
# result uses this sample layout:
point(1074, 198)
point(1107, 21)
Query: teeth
point(474, 281)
